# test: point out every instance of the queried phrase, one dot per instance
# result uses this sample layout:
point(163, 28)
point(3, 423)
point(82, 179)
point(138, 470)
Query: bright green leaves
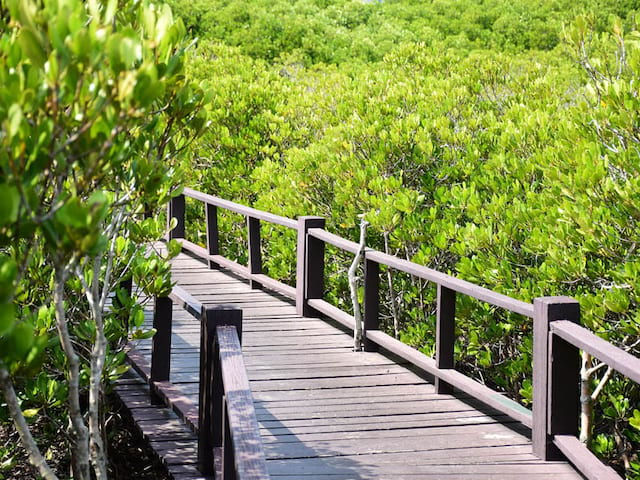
point(32, 46)
point(153, 275)
point(124, 50)
point(7, 317)
point(8, 274)
point(634, 420)
point(75, 226)
point(9, 205)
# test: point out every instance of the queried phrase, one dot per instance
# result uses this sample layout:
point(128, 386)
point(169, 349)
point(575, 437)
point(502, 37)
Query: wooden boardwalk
point(324, 411)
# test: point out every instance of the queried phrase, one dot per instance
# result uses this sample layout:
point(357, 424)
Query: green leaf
point(73, 214)
point(635, 420)
point(143, 335)
point(22, 340)
point(9, 206)
point(31, 46)
point(7, 317)
point(30, 412)
point(15, 117)
point(8, 274)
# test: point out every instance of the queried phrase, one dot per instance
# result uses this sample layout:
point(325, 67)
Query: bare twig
point(353, 286)
point(35, 457)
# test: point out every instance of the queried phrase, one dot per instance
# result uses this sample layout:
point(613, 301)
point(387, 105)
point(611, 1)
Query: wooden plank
point(493, 430)
point(409, 445)
point(247, 445)
point(240, 209)
point(457, 379)
point(376, 423)
point(354, 392)
point(326, 412)
point(348, 382)
point(456, 284)
point(331, 412)
point(332, 312)
point(621, 361)
point(313, 372)
point(588, 464)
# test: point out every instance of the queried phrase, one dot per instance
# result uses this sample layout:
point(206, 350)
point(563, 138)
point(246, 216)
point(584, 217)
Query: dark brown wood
point(255, 250)
point(445, 334)
point(460, 286)
point(161, 341)
point(228, 452)
point(213, 243)
point(187, 301)
point(556, 376)
point(334, 313)
point(211, 390)
point(371, 302)
point(616, 358)
point(241, 209)
point(248, 454)
point(310, 265)
point(453, 377)
point(326, 412)
point(332, 239)
point(241, 270)
point(578, 454)
point(176, 210)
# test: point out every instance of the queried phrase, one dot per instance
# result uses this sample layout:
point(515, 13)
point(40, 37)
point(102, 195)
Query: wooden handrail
point(247, 459)
point(555, 383)
point(187, 301)
point(241, 209)
point(227, 425)
point(616, 358)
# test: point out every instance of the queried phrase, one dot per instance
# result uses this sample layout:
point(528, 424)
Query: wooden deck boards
point(326, 412)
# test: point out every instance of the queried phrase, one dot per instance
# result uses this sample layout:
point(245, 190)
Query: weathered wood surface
point(326, 412)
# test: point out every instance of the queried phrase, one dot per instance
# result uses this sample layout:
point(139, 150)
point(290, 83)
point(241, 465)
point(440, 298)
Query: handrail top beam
point(335, 240)
point(240, 209)
point(187, 301)
point(426, 273)
point(452, 283)
point(584, 339)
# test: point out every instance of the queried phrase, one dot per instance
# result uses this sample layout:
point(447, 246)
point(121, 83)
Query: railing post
point(445, 334)
point(310, 265)
point(371, 302)
point(161, 343)
point(176, 209)
point(255, 254)
point(211, 404)
point(556, 376)
point(213, 244)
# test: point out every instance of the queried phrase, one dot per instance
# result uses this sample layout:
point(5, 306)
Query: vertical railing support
point(255, 253)
point(445, 334)
point(371, 302)
point(161, 343)
point(176, 210)
point(211, 404)
point(213, 243)
point(556, 376)
point(310, 265)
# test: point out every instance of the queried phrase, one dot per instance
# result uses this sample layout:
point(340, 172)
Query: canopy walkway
point(296, 402)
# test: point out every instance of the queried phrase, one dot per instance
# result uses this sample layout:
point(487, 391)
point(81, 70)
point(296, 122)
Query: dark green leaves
point(9, 204)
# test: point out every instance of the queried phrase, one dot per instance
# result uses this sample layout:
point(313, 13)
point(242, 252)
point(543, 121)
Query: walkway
point(326, 412)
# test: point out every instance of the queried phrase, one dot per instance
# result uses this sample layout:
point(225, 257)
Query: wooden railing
point(229, 443)
point(557, 337)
